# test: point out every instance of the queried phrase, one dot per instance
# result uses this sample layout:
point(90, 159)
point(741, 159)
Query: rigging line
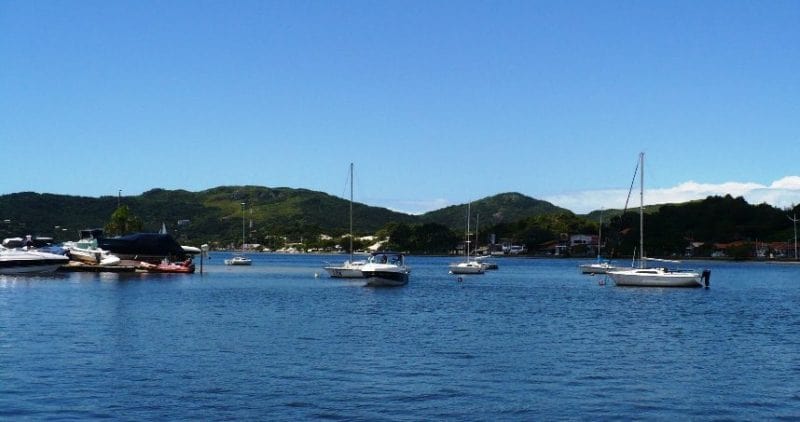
point(635, 171)
point(346, 188)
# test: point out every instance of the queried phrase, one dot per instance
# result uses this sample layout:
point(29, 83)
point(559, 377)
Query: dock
point(126, 266)
point(89, 268)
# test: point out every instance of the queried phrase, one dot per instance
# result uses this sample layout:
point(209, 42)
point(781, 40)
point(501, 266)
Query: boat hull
point(656, 278)
point(239, 261)
point(30, 267)
point(344, 272)
point(467, 268)
point(30, 262)
point(386, 278)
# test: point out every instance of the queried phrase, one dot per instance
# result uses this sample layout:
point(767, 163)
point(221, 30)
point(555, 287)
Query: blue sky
point(436, 102)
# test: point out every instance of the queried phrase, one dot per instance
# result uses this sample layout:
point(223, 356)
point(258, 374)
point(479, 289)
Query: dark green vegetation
point(284, 215)
point(716, 221)
point(499, 209)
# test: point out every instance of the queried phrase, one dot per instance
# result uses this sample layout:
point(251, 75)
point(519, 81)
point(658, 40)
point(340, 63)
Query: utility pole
point(794, 220)
point(119, 197)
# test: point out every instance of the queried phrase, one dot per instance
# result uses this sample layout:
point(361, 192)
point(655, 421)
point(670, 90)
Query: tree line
point(276, 217)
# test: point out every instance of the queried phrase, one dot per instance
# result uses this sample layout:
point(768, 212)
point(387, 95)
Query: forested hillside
point(275, 216)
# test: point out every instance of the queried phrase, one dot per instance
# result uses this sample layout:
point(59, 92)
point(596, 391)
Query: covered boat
point(148, 247)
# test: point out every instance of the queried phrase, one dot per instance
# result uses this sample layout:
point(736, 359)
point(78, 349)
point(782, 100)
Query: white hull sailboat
point(599, 266)
point(240, 259)
point(468, 266)
point(350, 268)
point(659, 276)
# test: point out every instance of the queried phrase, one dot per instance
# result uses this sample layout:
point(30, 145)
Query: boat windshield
point(387, 258)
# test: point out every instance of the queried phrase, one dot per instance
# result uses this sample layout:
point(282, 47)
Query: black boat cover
point(151, 244)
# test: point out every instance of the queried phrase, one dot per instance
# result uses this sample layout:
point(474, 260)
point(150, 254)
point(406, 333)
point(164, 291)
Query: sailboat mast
point(477, 222)
point(243, 226)
point(600, 235)
point(641, 211)
point(351, 212)
point(466, 235)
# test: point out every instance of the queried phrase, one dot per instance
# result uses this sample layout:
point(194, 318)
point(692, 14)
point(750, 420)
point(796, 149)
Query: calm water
point(534, 340)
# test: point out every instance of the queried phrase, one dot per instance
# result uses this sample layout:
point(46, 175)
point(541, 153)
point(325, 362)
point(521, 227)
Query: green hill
point(498, 209)
point(286, 215)
point(211, 215)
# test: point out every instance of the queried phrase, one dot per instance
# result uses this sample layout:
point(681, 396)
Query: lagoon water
point(533, 340)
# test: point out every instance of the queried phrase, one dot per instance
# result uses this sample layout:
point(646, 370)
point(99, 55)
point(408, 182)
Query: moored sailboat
point(350, 268)
point(468, 266)
point(240, 259)
point(599, 266)
point(656, 276)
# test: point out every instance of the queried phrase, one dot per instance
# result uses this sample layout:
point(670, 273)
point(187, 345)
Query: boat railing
point(670, 261)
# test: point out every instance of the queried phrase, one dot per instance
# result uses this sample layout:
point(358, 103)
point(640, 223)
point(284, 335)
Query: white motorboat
point(95, 256)
point(386, 269)
point(86, 250)
point(16, 261)
point(468, 266)
point(659, 276)
point(350, 268)
point(239, 260)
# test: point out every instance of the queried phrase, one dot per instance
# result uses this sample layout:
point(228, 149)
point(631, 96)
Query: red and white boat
point(185, 267)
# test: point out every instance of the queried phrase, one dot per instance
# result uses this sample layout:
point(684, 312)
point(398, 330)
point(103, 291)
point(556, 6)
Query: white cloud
point(788, 182)
point(780, 193)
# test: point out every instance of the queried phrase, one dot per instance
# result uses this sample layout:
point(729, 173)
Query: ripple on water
point(534, 340)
